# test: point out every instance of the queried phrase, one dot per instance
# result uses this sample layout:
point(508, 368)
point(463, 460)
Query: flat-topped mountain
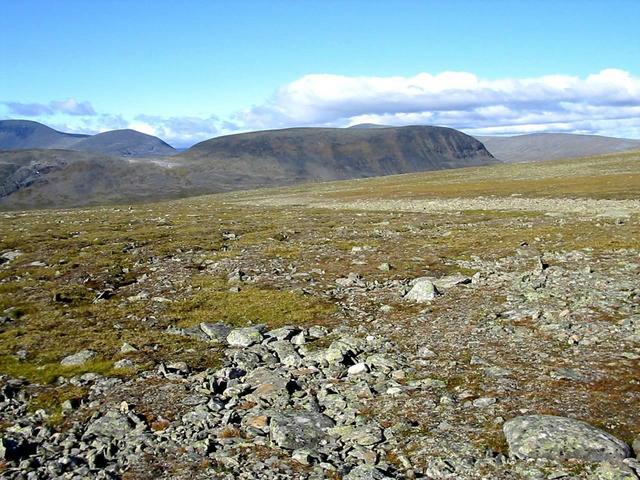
point(313, 154)
point(25, 134)
point(554, 146)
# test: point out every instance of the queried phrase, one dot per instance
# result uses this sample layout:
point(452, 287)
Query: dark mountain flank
point(25, 134)
point(554, 146)
point(65, 178)
point(317, 154)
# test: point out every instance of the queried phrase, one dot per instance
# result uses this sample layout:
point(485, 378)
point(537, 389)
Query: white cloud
point(595, 103)
point(606, 102)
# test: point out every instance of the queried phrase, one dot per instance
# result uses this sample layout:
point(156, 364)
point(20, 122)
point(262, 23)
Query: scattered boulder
point(560, 438)
point(79, 358)
point(244, 337)
point(295, 430)
point(366, 472)
point(451, 281)
point(9, 256)
point(423, 290)
point(112, 425)
point(216, 331)
point(128, 348)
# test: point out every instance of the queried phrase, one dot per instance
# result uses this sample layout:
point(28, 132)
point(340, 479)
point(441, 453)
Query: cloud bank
point(65, 107)
point(606, 103)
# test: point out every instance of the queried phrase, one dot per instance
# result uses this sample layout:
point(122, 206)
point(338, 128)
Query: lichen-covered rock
point(423, 290)
point(610, 471)
point(560, 438)
point(244, 337)
point(112, 425)
point(295, 430)
point(636, 446)
point(215, 331)
point(79, 358)
point(366, 472)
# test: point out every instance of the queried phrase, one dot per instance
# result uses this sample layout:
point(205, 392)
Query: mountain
point(65, 178)
point(44, 178)
point(125, 143)
point(318, 154)
point(25, 134)
point(552, 146)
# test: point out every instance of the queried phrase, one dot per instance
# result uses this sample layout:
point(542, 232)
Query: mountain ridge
point(554, 146)
point(27, 134)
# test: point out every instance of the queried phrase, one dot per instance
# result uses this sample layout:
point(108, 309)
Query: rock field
point(297, 342)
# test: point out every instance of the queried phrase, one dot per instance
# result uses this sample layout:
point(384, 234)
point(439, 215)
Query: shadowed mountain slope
point(24, 134)
point(316, 154)
point(47, 178)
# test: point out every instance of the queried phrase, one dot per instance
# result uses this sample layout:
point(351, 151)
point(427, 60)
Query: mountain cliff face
point(24, 134)
point(311, 154)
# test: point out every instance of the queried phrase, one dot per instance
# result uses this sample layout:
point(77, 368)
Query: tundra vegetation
point(535, 311)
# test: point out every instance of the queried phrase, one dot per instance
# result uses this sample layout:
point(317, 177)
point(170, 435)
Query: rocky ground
point(204, 339)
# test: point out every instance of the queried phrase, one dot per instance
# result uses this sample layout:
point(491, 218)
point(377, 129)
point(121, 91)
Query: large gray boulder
point(79, 358)
point(423, 290)
point(294, 430)
point(244, 337)
point(560, 438)
point(112, 425)
point(216, 331)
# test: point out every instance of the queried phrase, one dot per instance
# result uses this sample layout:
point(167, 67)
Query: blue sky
point(190, 70)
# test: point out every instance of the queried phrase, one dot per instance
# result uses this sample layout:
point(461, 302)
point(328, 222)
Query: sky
point(191, 70)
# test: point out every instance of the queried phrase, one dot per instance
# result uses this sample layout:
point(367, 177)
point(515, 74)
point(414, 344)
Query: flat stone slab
point(560, 438)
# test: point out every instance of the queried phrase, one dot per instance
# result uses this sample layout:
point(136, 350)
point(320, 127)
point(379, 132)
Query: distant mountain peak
point(27, 134)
